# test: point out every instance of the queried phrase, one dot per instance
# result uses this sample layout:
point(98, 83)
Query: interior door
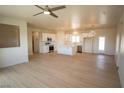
point(88, 45)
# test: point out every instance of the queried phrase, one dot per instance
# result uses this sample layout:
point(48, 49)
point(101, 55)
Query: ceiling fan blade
point(39, 7)
point(37, 14)
point(54, 15)
point(57, 8)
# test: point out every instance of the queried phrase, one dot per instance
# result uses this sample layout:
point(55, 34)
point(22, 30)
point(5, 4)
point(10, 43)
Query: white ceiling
point(72, 17)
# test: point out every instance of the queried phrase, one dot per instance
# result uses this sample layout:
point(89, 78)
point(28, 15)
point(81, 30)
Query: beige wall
point(15, 55)
point(120, 49)
point(60, 38)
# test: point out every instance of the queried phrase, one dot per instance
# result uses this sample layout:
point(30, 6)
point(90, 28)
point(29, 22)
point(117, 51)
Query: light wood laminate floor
point(53, 70)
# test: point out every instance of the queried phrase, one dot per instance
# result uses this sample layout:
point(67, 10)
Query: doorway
point(101, 44)
point(35, 41)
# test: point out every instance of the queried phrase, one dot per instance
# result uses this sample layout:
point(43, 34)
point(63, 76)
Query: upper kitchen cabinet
point(48, 37)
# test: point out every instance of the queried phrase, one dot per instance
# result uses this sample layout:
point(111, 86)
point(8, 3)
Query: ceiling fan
point(49, 11)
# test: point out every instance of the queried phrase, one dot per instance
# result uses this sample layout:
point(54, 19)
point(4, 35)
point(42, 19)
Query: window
point(101, 43)
point(75, 39)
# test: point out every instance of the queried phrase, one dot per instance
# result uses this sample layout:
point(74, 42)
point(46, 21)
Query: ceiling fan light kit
point(46, 12)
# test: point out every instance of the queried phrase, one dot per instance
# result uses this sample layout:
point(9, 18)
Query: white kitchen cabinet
point(48, 35)
point(44, 36)
point(44, 48)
